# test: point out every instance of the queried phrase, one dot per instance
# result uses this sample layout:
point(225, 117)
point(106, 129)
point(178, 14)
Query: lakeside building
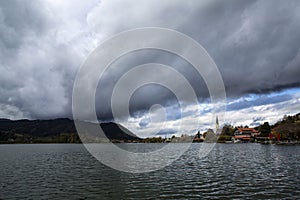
point(199, 137)
point(245, 134)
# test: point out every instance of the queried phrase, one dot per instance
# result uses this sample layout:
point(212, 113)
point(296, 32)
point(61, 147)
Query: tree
point(228, 130)
point(265, 129)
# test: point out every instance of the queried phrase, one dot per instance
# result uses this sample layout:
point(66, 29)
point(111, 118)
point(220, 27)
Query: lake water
point(230, 171)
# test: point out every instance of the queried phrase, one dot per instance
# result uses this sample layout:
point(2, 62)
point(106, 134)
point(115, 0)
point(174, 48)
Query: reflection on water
point(242, 171)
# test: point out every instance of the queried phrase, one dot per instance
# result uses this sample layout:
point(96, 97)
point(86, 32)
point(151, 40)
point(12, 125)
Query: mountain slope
point(56, 130)
point(288, 128)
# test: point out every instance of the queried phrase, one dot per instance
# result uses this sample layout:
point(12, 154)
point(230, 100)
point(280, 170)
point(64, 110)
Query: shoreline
point(283, 143)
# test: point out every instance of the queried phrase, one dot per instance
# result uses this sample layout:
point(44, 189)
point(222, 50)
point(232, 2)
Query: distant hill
point(54, 131)
point(288, 127)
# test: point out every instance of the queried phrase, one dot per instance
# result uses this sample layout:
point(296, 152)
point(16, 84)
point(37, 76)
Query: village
point(284, 132)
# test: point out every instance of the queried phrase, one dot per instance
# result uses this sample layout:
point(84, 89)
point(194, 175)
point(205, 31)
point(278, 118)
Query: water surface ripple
point(230, 171)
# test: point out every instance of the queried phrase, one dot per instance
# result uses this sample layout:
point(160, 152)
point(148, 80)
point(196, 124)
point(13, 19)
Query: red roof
point(248, 129)
point(242, 137)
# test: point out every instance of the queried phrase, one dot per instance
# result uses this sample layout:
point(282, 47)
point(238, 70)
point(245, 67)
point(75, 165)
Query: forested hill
point(53, 131)
point(288, 127)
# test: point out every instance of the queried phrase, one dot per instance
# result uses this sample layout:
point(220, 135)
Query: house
point(245, 134)
point(198, 137)
point(247, 131)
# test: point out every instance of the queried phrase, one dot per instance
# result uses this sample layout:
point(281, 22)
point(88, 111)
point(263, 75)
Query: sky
point(255, 45)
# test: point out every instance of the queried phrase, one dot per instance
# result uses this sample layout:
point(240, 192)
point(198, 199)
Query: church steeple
point(217, 124)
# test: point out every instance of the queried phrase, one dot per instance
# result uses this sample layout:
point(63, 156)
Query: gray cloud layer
point(254, 43)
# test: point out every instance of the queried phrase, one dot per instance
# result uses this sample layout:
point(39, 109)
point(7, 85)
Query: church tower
point(217, 124)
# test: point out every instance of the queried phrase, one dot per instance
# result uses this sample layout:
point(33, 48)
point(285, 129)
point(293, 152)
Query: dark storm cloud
point(36, 72)
point(257, 121)
point(255, 44)
point(167, 132)
point(262, 100)
point(18, 21)
point(252, 42)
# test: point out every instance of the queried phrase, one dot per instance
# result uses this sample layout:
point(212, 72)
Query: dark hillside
point(288, 127)
point(56, 130)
